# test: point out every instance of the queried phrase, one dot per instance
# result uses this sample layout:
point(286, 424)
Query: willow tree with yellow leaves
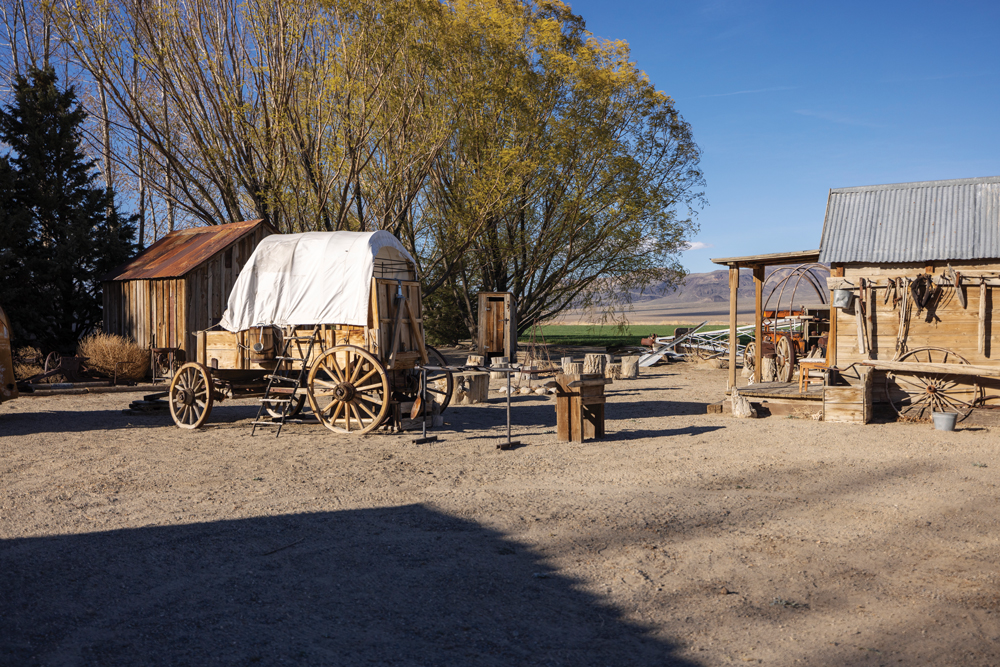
point(508, 148)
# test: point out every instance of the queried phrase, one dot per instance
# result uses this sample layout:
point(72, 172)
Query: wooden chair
point(805, 377)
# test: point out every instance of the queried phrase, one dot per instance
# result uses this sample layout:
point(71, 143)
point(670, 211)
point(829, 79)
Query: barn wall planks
point(167, 312)
point(944, 324)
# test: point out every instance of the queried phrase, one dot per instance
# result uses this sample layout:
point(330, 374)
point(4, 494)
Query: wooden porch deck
point(782, 391)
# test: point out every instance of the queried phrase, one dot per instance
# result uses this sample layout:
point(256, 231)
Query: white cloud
point(698, 245)
point(751, 92)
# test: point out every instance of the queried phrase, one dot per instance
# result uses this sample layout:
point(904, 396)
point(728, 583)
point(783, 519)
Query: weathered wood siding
point(168, 312)
point(946, 324)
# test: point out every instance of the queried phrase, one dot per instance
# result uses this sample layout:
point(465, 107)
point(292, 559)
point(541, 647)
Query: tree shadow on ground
point(390, 586)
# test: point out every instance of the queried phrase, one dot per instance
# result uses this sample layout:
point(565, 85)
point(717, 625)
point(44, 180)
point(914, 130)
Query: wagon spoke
point(333, 369)
point(324, 384)
point(954, 400)
point(357, 415)
point(365, 377)
point(369, 387)
point(910, 381)
point(370, 398)
point(338, 405)
point(365, 408)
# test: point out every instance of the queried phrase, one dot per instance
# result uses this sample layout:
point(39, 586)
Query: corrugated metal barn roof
point(913, 222)
point(179, 252)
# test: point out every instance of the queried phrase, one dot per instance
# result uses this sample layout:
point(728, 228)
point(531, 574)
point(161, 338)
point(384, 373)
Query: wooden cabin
point(943, 236)
point(912, 325)
point(179, 285)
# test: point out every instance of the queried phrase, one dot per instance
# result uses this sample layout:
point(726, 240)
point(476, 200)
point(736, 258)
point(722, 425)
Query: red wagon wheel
point(191, 395)
point(348, 390)
point(915, 395)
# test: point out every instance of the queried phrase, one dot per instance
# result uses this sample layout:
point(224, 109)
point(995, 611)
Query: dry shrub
point(28, 363)
point(104, 350)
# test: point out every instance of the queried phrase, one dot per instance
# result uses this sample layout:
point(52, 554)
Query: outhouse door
point(497, 325)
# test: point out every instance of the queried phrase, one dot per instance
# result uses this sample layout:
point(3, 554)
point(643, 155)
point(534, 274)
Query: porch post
point(734, 283)
point(758, 318)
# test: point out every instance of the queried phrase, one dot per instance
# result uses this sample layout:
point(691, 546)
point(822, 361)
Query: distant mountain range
point(705, 296)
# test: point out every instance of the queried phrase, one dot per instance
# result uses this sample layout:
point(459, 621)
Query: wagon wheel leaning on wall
point(784, 360)
point(191, 395)
point(749, 359)
point(348, 390)
point(915, 395)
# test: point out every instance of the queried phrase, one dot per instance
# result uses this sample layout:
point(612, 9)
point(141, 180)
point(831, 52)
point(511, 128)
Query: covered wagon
point(332, 318)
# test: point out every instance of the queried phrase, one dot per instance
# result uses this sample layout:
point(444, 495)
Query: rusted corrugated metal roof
point(913, 222)
point(182, 251)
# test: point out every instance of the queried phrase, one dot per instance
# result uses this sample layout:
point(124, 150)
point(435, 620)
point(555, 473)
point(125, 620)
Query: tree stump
point(565, 361)
point(475, 360)
point(768, 370)
point(471, 387)
point(630, 368)
point(613, 371)
point(573, 368)
point(594, 363)
point(499, 362)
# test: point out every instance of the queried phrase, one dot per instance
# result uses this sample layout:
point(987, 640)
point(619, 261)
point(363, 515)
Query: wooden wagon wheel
point(750, 356)
point(191, 395)
point(441, 396)
point(274, 409)
point(784, 359)
point(916, 395)
point(348, 390)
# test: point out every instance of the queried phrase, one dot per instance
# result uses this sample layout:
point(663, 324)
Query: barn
point(917, 264)
point(179, 285)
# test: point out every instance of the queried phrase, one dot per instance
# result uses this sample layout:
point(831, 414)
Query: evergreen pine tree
point(61, 229)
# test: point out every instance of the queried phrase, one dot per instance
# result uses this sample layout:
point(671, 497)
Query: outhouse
point(497, 325)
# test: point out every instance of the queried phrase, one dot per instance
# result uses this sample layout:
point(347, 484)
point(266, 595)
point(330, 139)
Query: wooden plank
point(843, 414)
point(590, 383)
point(416, 330)
point(949, 369)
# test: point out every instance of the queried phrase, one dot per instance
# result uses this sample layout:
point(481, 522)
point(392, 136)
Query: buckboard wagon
point(332, 319)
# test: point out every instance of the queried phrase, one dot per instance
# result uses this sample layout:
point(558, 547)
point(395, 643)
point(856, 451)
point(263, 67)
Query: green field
point(610, 336)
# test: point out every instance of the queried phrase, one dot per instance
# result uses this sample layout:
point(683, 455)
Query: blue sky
point(790, 99)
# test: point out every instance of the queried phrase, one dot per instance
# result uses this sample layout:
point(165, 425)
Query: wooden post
point(758, 319)
point(831, 341)
point(734, 284)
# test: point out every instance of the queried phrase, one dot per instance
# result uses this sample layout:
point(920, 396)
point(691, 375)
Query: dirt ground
point(681, 539)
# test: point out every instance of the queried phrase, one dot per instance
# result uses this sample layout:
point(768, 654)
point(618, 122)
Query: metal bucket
point(944, 421)
point(842, 298)
point(262, 344)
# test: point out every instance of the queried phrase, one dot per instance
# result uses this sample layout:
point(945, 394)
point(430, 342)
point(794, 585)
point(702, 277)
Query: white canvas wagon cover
point(311, 278)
